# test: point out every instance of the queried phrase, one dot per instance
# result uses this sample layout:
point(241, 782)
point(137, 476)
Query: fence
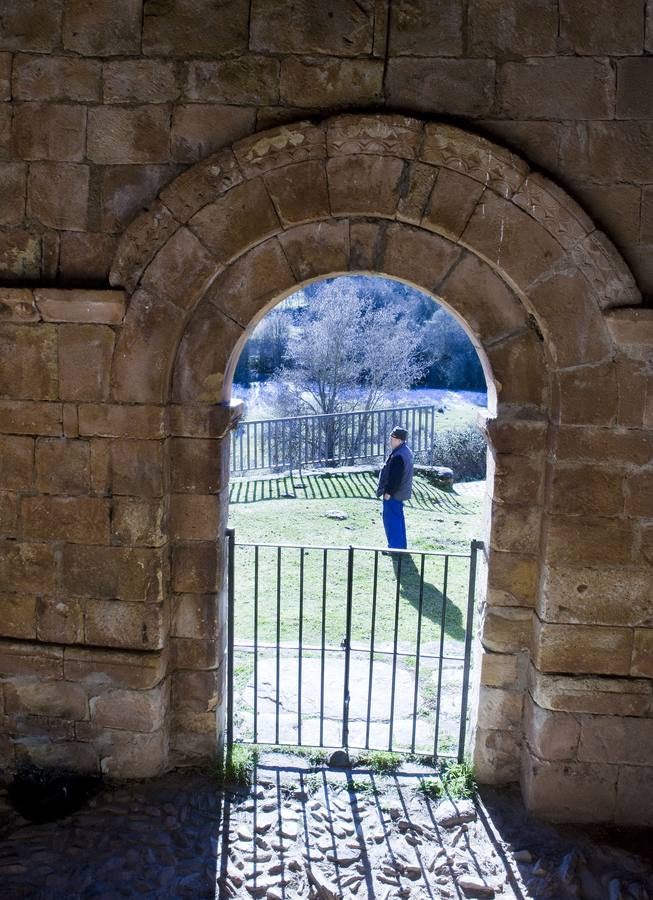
point(350, 646)
point(326, 440)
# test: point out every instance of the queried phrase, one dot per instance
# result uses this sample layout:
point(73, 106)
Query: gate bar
point(231, 543)
point(475, 547)
point(347, 646)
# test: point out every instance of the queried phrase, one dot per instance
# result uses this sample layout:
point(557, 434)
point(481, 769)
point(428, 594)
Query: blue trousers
point(394, 524)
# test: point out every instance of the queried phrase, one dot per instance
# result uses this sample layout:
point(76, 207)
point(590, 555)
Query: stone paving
point(299, 833)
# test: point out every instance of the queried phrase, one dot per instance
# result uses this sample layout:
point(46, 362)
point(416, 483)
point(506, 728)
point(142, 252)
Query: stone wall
point(119, 329)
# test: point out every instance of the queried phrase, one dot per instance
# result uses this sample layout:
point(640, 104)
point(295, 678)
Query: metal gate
point(355, 647)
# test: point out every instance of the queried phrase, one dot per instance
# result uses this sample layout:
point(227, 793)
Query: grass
point(456, 781)
point(437, 520)
point(381, 761)
point(238, 765)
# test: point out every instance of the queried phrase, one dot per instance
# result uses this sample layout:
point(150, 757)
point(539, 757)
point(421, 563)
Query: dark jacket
point(396, 476)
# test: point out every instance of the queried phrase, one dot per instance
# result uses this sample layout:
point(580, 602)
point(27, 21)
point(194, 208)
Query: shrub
point(462, 450)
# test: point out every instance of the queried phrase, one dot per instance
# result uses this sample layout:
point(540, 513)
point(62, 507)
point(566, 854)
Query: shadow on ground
point(423, 595)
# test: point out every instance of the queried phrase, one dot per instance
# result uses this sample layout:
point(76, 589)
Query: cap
point(399, 432)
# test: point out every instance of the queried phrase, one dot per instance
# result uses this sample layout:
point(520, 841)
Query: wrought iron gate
point(356, 647)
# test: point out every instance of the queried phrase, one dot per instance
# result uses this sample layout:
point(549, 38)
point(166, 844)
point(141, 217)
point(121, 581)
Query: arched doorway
point(511, 255)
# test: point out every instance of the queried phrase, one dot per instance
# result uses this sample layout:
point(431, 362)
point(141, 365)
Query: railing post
point(471, 596)
point(346, 644)
point(231, 547)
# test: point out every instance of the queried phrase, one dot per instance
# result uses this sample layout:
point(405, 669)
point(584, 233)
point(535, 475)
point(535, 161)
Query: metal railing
point(300, 442)
point(341, 646)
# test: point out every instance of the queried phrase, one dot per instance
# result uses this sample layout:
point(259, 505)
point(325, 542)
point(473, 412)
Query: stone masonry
point(171, 170)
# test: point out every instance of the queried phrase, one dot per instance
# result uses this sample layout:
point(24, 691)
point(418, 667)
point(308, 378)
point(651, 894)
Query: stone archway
point(522, 266)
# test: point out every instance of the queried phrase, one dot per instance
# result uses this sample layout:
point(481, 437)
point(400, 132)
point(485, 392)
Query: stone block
point(204, 354)
point(85, 353)
point(551, 735)
point(69, 755)
point(248, 286)
point(121, 135)
point(616, 740)
point(28, 362)
point(279, 147)
point(587, 395)
point(58, 194)
point(140, 81)
point(515, 479)
point(515, 528)
point(142, 711)
point(426, 28)
point(633, 77)
point(574, 792)
point(196, 466)
point(86, 257)
point(499, 708)
point(612, 151)
point(59, 621)
point(299, 192)
point(200, 128)
point(8, 515)
point(125, 191)
point(62, 466)
point(193, 517)
point(181, 271)
point(364, 185)
point(31, 659)
point(634, 798)
point(548, 89)
point(496, 756)
point(133, 755)
point(81, 306)
point(642, 663)
point(586, 541)
point(195, 28)
point(187, 653)
point(17, 305)
point(32, 25)
point(56, 78)
point(98, 668)
point(59, 699)
point(591, 649)
point(208, 421)
point(17, 616)
point(12, 200)
point(614, 208)
point(79, 520)
point(24, 417)
point(499, 670)
point(116, 623)
point(630, 328)
point(114, 572)
point(102, 27)
point(428, 256)
point(609, 596)
point(414, 196)
point(50, 131)
point(451, 203)
point(70, 421)
point(237, 221)
point(5, 75)
point(194, 616)
point(457, 87)
point(602, 28)
point(115, 420)
point(138, 523)
point(512, 579)
point(594, 695)
point(281, 26)
point(374, 135)
point(331, 83)
point(20, 254)
point(507, 629)
point(16, 463)
point(136, 468)
point(587, 491)
point(517, 28)
point(246, 79)
point(195, 691)
point(320, 248)
point(201, 184)
point(195, 567)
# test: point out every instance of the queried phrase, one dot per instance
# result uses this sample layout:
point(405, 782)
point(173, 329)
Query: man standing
point(395, 486)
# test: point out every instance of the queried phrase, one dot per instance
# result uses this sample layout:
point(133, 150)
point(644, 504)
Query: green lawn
point(312, 589)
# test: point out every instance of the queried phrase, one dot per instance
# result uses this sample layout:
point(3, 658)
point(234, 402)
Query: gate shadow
point(433, 600)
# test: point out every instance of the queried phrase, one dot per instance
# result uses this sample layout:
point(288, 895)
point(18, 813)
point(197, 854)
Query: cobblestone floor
point(301, 834)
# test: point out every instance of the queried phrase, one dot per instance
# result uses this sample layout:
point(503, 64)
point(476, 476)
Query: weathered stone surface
point(57, 195)
point(634, 798)
point(507, 629)
point(25, 417)
point(59, 621)
point(6, 61)
point(195, 28)
point(181, 271)
point(34, 25)
point(102, 27)
point(55, 305)
point(582, 541)
point(630, 327)
point(515, 479)
point(512, 579)
point(115, 623)
point(194, 616)
point(280, 146)
point(595, 695)
point(12, 199)
point(195, 567)
point(8, 514)
point(587, 395)
point(585, 490)
point(113, 572)
point(515, 528)
point(16, 463)
point(51, 131)
point(62, 466)
point(548, 88)
point(17, 305)
point(499, 708)
point(642, 663)
point(20, 255)
point(284, 27)
point(459, 87)
point(426, 28)
point(199, 129)
point(582, 648)
point(601, 28)
point(201, 184)
point(299, 192)
point(86, 257)
point(56, 78)
point(525, 28)
point(551, 735)
point(615, 740)
point(586, 595)
point(193, 517)
point(499, 669)
point(130, 710)
point(27, 567)
point(136, 468)
point(364, 185)
point(17, 616)
point(433, 256)
point(320, 248)
point(78, 520)
point(245, 79)
point(138, 523)
point(330, 83)
point(135, 135)
point(85, 354)
point(47, 698)
point(115, 420)
point(139, 81)
point(441, 213)
point(195, 466)
point(573, 793)
point(28, 362)
point(496, 756)
point(125, 190)
point(97, 667)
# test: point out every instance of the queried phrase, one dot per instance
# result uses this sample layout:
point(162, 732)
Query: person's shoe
point(386, 553)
